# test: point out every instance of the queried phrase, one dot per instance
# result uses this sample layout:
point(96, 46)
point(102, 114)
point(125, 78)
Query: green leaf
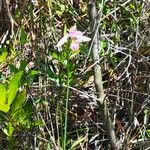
point(74, 53)
point(60, 10)
point(131, 16)
point(19, 101)
point(4, 107)
point(13, 68)
point(28, 108)
point(16, 115)
point(3, 94)
point(3, 54)
point(23, 36)
point(148, 133)
point(9, 130)
point(37, 123)
point(76, 143)
point(23, 65)
point(31, 75)
point(55, 55)
point(13, 87)
point(23, 119)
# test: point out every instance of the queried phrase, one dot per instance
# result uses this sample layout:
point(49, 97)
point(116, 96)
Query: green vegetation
point(74, 74)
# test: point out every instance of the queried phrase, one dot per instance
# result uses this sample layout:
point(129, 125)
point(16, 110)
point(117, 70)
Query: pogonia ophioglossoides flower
point(76, 36)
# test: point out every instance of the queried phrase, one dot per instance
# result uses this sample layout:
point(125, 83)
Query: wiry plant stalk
point(98, 77)
point(66, 106)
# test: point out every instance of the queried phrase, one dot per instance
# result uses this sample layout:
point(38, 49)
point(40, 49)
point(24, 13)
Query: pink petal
point(74, 45)
point(83, 39)
point(63, 40)
point(72, 29)
point(75, 34)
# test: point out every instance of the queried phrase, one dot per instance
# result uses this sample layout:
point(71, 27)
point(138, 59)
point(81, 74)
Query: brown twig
point(98, 78)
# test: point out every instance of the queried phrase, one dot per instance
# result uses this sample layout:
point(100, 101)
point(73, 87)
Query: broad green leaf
point(19, 101)
point(3, 54)
point(3, 94)
point(23, 114)
point(13, 87)
point(4, 107)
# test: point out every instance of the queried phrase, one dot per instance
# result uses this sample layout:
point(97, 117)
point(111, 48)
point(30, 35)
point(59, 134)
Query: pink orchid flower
point(76, 36)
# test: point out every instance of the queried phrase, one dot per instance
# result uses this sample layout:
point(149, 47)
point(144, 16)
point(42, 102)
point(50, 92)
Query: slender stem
point(66, 104)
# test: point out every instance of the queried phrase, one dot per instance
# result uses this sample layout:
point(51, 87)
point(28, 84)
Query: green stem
point(66, 105)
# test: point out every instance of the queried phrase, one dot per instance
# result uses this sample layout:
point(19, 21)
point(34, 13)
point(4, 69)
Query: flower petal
point(83, 39)
point(63, 40)
point(72, 29)
point(74, 45)
point(75, 34)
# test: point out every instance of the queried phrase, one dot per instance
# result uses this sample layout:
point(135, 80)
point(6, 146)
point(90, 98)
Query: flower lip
point(74, 45)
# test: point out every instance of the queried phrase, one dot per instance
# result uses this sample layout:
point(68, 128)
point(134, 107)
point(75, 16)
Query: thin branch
point(98, 77)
